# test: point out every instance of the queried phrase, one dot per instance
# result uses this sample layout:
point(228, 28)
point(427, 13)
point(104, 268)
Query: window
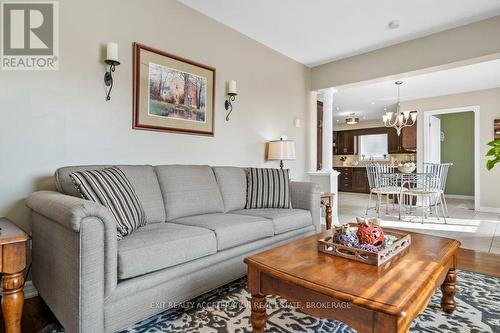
point(373, 146)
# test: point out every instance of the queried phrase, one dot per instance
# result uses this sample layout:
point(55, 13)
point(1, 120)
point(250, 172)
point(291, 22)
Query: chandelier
point(399, 119)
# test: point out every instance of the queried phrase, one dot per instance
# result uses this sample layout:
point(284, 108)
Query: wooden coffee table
point(367, 298)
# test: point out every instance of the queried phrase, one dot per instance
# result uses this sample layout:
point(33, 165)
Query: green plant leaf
point(491, 152)
point(494, 143)
point(491, 163)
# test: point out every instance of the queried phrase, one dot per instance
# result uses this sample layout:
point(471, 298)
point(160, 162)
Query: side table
point(326, 199)
point(13, 244)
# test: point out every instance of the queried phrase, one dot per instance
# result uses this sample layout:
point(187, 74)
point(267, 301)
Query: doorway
point(452, 136)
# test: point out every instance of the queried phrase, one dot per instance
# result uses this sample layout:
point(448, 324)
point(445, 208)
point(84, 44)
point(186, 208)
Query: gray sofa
point(195, 240)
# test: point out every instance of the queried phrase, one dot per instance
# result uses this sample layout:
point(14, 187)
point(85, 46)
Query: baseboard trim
point(459, 196)
point(489, 209)
point(29, 290)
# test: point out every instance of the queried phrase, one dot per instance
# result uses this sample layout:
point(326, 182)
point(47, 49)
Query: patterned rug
point(227, 310)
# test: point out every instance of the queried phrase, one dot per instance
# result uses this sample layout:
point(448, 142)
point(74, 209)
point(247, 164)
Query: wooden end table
point(326, 199)
point(13, 244)
point(367, 298)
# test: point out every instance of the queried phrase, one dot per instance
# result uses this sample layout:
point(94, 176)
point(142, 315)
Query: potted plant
point(494, 152)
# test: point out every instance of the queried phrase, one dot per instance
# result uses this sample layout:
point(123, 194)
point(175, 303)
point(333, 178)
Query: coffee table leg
point(449, 289)
point(258, 316)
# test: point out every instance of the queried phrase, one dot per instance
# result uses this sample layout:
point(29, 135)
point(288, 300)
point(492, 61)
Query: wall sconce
point(231, 97)
point(112, 61)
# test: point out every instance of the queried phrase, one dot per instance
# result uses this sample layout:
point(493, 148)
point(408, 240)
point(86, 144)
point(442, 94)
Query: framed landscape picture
point(171, 93)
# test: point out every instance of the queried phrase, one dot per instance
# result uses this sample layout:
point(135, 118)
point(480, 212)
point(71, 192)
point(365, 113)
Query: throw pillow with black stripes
point(268, 188)
point(111, 188)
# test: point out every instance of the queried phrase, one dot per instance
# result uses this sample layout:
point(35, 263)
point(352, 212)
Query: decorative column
point(327, 152)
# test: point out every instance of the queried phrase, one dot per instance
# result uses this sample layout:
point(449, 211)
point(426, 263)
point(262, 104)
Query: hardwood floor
point(480, 262)
point(36, 314)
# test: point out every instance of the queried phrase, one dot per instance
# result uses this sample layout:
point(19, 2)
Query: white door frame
point(477, 157)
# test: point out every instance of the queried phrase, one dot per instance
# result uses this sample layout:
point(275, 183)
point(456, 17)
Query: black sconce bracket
point(108, 76)
point(231, 97)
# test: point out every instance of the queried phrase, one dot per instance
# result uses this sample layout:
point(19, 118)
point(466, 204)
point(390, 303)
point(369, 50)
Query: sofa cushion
point(111, 188)
point(143, 180)
point(284, 220)
point(161, 245)
point(189, 190)
point(230, 229)
point(268, 188)
point(233, 187)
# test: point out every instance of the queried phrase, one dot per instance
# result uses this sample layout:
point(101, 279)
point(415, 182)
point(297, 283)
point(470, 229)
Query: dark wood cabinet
point(393, 141)
point(346, 141)
point(353, 180)
point(345, 179)
point(409, 139)
point(360, 180)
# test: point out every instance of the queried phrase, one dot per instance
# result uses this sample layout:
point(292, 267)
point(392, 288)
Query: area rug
point(226, 309)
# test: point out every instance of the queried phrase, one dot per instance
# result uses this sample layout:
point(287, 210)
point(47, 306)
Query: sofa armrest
point(69, 211)
point(77, 215)
point(306, 195)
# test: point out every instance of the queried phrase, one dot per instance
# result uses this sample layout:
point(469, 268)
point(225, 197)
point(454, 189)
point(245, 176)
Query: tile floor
point(475, 230)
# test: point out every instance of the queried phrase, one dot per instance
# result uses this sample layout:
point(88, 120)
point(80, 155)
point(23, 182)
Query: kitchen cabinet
point(353, 180)
point(345, 179)
point(409, 139)
point(359, 180)
point(393, 141)
point(345, 142)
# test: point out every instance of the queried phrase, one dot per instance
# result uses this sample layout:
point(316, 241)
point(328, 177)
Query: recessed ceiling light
point(394, 24)
point(337, 120)
point(373, 103)
point(338, 108)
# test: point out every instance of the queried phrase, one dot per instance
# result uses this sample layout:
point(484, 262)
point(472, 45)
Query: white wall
point(489, 103)
point(53, 119)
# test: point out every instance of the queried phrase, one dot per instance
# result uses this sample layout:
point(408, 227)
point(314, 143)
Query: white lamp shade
point(281, 150)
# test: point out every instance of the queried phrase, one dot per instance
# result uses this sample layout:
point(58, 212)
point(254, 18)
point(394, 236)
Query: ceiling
point(318, 31)
point(368, 101)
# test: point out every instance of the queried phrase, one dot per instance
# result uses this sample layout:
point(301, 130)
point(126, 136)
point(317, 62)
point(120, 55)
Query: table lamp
point(281, 150)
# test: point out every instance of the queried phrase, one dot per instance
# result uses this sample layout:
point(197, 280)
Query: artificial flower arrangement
point(368, 235)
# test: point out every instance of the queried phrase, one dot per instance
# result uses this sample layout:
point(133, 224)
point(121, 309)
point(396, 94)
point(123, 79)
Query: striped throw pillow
point(111, 188)
point(268, 188)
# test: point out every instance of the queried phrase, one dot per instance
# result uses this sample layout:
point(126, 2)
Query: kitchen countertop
point(354, 166)
point(350, 166)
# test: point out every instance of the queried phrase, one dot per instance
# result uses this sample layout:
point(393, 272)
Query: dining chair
point(425, 187)
point(441, 169)
point(382, 181)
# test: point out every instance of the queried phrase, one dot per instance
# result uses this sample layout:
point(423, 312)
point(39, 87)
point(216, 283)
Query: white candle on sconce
point(112, 51)
point(231, 89)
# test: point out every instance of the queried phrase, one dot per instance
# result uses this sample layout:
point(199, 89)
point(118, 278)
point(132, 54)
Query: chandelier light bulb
point(402, 118)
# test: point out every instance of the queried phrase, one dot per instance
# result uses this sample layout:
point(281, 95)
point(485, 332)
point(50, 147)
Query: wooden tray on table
point(384, 255)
